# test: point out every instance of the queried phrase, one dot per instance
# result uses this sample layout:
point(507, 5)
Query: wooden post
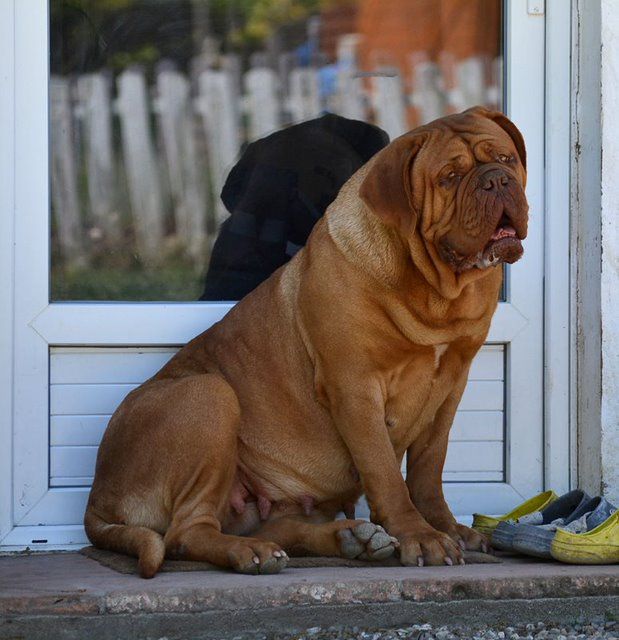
point(388, 100)
point(143, 178)
point(95, 110)
point(232, 65)
point(494, 88)
point(185, 171)
point(426, 96)
point(215, 103)
point(262, 102)
point(63, 163)
point(351, 101)
point(471, 82)
point(449, 82)
point(304, 98)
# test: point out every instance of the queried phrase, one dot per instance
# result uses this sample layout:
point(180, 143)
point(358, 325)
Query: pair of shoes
point(574, 528)
point(533, 525)
point(537, 540)
point(487, 524)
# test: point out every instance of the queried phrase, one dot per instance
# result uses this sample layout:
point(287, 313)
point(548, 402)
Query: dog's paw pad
point(273, 565)
point(350, 546)
point(379, 540)
point(365, 531)
point(366, 541)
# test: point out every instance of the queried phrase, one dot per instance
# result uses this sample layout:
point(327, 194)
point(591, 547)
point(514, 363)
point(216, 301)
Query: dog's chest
point(416, 388)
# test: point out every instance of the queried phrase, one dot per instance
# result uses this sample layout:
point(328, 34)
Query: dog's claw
point(449, 561)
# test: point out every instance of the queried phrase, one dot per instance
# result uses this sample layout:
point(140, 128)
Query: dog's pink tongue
point(503, 232)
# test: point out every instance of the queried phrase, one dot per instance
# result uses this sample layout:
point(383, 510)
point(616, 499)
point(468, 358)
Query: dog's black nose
point(493, 180)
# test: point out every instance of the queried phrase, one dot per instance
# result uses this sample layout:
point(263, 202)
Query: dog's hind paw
point(366, 541)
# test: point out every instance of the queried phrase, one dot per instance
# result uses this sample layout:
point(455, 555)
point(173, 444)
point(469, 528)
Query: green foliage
point(94, 34)
point(176, 281)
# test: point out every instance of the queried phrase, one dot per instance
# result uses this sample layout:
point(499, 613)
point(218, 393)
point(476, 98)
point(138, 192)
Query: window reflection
point(152, 103)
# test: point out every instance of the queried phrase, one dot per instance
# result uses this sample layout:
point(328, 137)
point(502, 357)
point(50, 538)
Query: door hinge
point(536, 7)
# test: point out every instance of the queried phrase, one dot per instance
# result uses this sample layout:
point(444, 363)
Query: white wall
point(610, 250)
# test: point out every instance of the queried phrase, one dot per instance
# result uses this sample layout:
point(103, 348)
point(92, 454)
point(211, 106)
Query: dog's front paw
point(428, 546)
point(468, 538)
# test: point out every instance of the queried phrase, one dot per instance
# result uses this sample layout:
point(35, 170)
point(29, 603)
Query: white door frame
point(559, 338)
point(7, 179)
point(35, 324)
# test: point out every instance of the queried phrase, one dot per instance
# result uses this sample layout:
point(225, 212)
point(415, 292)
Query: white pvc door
point(78, 351)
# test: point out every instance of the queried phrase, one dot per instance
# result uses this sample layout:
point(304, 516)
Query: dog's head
point(457, 184)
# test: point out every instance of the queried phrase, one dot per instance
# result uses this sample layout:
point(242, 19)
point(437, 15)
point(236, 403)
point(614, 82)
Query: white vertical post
point(427, 96)
point(261, 86)
point(64, 172)
point(388, 100)
point(182, 161)
point(454, 100)
point(304, 97)
point(558, 420)
point(7, 248)
point(95, 110)
point(494, 88)
point(610, 252)
point(145, 190)
point(351, 101)
point(215, 103)
point(471, 82)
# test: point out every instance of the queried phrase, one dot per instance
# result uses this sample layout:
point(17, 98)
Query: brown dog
point(371, 331)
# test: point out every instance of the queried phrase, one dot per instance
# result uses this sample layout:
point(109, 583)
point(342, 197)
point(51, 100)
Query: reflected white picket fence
point(150, 160)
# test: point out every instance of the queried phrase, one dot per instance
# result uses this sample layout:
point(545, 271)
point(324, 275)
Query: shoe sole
point(574, 553)
point(534, 543)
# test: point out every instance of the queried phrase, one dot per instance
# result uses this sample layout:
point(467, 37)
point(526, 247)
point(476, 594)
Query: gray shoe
point(504, 533)
point(537, 540)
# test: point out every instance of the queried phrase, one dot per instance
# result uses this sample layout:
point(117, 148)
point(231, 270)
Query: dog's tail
point(143, 543)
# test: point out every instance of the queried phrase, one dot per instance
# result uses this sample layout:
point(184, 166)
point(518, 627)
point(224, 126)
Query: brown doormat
point(127, 564)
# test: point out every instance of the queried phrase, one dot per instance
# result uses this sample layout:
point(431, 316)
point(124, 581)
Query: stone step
point(67, 595)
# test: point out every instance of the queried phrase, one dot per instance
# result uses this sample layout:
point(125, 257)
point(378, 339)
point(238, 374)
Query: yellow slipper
point(487, 524)
point(598, 546)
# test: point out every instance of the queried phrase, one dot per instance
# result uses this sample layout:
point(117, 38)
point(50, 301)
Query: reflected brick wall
point(393, 29)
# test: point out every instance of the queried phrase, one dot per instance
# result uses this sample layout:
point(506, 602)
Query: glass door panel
point(153, 102)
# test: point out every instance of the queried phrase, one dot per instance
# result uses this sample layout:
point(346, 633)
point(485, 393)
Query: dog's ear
point(387, 188)
point(508, 126)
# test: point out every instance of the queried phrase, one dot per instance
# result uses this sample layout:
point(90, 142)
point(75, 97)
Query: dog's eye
point(448, 180)
point(505, 158)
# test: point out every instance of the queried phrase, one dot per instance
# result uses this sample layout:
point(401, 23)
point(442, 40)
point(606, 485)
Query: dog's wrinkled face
point(458, 183)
